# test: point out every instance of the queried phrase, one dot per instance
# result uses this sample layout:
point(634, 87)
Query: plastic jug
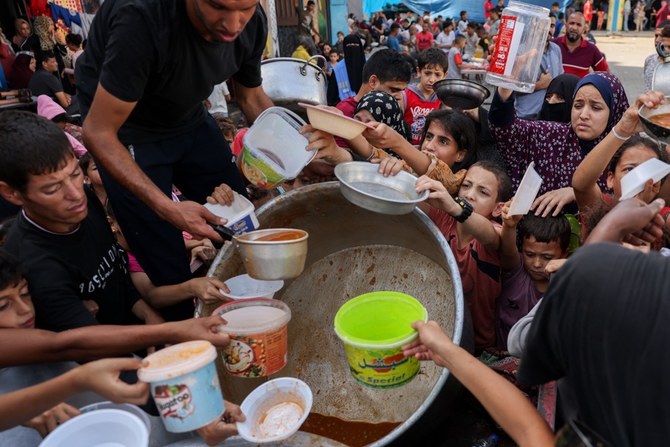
point(274, 150)
point(522, 38)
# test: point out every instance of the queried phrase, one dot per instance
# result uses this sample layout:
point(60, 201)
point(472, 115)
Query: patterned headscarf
point(41, 29)
point(613, 94)
point(384, 109)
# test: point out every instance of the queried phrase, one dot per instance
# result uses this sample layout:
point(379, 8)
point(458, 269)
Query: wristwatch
point(467, 209)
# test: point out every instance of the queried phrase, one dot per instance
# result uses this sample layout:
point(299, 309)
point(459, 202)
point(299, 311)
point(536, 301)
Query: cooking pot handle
point(303, 69)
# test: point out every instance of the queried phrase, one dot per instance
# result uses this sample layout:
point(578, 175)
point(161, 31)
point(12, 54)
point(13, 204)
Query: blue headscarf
point(613, 94)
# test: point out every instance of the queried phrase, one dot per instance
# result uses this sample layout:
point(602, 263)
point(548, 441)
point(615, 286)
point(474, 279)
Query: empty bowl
point(461, 94)
point(107, 405)
point(334, 123)
point(657, 121)
point(275, 410)
point(244, 287)
point(117, 428)
point(363, 185)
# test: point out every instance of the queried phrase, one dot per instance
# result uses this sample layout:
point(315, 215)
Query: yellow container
point(374, 327)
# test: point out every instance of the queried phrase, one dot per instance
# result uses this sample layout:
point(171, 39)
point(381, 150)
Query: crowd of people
point(102, 192)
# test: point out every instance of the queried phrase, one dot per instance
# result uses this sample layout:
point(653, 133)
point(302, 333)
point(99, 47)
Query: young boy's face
point(334, 57)
point(393, 88)
point(536, 255)
point(429, 75)
point(16, 307)
point(55, 200)
point(480, 188)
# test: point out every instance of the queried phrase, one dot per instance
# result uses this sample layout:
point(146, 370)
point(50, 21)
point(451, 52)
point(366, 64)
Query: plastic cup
point(527, 192)
point(244, 287)
point(633, 183)
point(258, 330)
point(107, 405)
point(113, 428)
point(374, 327)
point(184, 385)
point(273, 149)
point(275, 410)
point(240, 214)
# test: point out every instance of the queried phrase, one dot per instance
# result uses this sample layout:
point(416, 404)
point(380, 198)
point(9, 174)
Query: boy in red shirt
point(419, 100)
point(424, 39)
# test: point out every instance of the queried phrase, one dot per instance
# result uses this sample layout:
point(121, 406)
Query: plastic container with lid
point(374, 327)
point(274, 149)
point(240, 214)
point(258, 330)
point(184, 385)
point(522, 38)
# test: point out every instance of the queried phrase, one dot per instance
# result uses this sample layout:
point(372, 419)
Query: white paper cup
point(116, 428)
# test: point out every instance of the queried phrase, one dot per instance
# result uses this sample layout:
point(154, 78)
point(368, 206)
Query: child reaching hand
point(447, 149)
point(502, 400)
point(467, 224)
point(524, 257)
point(204, 288)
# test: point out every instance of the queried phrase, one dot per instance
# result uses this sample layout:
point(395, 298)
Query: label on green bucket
point(258, 171)
point(381, 368)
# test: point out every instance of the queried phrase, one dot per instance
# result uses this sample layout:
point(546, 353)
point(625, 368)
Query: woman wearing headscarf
point(46, 32)
point(24, 39)
point(349, 71)
point(557, 104)
point(557, 148)
point(22, 70)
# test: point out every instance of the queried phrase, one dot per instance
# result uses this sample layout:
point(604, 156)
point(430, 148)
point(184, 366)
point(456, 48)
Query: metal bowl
point(461, 94)
point(363, 185)
point(271, 260)
point(661, 133)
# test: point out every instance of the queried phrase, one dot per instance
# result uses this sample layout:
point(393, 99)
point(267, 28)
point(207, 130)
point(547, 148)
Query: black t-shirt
point(45, 83)
point(148, 51)
point(64, 269)
point(603, 326)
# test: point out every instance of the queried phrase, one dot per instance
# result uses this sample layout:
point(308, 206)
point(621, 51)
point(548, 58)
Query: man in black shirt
point(46, 82)
point(61, 236)
point(147, 67)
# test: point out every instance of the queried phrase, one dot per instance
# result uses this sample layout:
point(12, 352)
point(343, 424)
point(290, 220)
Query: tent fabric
point(448, 8)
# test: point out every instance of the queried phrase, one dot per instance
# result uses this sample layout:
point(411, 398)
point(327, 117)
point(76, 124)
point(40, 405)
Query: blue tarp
point(449, 8)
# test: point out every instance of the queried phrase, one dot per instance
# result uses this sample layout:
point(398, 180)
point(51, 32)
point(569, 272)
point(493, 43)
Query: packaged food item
point(184, 385)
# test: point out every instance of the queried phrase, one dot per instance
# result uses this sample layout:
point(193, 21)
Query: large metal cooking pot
point(288, 81)
point(354, 251)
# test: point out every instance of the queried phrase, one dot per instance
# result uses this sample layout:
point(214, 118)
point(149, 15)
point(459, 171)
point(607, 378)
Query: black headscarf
point(355, 59)
point(564, 85)
point(384, 109)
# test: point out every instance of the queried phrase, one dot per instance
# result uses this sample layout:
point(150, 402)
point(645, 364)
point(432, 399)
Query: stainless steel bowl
point(461, 94)
point(271, 260)
point(362, 185)
point(660, 132)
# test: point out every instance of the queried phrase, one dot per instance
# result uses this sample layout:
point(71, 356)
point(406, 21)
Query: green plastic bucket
point(374, 327)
